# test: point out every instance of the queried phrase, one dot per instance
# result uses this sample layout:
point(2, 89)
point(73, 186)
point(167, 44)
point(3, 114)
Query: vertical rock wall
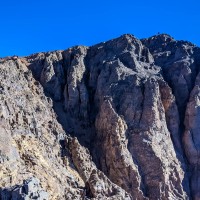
point(132, 106)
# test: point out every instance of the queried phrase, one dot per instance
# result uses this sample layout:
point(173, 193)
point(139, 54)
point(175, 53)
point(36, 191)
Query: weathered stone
point(130, 103)
point(100, 187)
point(29, 190)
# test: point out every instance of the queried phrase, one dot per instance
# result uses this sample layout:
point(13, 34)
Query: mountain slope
point(117, 120)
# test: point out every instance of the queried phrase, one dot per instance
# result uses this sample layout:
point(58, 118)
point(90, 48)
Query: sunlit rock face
point(117, 120)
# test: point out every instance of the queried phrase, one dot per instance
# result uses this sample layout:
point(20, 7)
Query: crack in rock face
point(119, 120)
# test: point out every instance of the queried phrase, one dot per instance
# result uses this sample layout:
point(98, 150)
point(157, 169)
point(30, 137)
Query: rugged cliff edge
point(117, 120)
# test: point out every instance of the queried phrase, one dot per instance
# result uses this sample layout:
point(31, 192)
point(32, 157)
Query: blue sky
point(40, 25)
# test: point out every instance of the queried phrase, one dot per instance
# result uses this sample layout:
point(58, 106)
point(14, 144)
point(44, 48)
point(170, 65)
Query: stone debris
point(30, 189)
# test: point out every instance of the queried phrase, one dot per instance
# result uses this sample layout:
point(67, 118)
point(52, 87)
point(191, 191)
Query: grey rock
point(100, 187)
point(30, 189)
point(117, 120)
point(30, 134)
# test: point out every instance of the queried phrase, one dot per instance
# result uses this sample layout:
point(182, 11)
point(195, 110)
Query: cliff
point(117, 120)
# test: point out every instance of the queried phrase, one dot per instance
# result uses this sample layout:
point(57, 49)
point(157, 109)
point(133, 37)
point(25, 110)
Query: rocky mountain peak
point(116, 120)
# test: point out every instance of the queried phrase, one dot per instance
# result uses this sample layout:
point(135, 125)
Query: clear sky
point(29, 26)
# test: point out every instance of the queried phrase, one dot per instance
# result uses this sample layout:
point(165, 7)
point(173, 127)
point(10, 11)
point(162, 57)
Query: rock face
point(29, 190)
point(117, 120)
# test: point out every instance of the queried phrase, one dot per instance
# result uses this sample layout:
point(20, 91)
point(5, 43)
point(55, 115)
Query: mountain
point(118, 120)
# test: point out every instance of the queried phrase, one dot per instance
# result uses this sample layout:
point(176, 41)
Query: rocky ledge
point(117, 120)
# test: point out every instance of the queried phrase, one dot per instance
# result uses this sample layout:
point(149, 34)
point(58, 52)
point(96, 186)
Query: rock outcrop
point(29, 190)
point(30, 135)
point(97, 183)
point(117, 120)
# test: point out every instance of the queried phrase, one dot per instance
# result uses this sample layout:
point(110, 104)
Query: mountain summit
point(119, 120)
